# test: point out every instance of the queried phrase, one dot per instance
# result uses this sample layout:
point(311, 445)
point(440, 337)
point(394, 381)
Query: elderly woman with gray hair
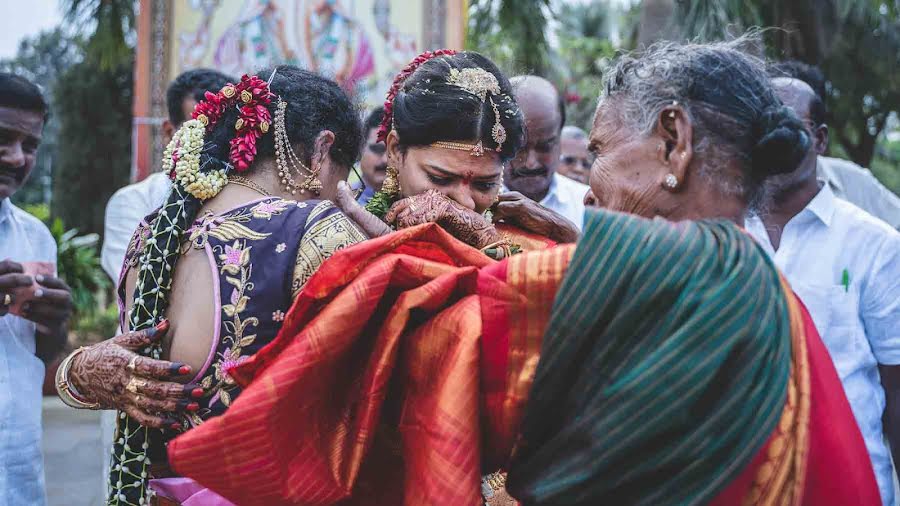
point(661, 360)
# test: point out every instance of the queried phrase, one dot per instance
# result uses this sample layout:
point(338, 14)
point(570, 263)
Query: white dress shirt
point(566, 197)
point(23, 238)
point(845, 266)
point(859, 187)
point(124, 212)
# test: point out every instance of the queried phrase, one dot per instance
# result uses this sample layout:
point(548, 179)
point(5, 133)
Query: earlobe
point(821, 139)
point(168, 129)
point(676, 130)
point(392, 142)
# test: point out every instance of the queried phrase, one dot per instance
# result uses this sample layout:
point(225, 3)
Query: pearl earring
point(671, 181)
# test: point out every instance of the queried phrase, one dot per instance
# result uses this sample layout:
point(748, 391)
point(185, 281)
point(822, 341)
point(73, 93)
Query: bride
point(246, 229)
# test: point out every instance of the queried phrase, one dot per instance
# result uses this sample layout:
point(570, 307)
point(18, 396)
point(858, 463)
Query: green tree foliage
point(108, 27)
point(41, 59)
point(855, 42)
point(94, 112)
point(512, 33)
point(585, 50)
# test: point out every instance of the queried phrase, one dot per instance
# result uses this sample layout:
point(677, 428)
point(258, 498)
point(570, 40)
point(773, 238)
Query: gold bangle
point(65, 390)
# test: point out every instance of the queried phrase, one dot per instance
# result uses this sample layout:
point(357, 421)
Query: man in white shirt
point(128, 206)
point(847, 180)
point(845, 266)
point(37, 332)
point(533, 171)
point(858, 186)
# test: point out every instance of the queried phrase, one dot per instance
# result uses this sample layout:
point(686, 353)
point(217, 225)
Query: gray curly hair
point(726, 92)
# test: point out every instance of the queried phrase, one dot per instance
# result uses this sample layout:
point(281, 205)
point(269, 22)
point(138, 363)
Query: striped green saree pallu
point(665, 361)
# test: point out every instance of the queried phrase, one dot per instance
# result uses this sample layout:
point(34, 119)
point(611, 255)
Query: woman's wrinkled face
point(472, 181)
point(628, 167)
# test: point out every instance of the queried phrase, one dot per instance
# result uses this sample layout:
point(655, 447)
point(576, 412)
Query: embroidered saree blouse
point(261, 254)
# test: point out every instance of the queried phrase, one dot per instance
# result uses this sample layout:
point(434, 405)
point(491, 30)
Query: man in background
point(574, 159)
point(847, 180)
point(533, 171)
point(128, 206)
point(373, 163)
point(845, 266)
point(34, 309)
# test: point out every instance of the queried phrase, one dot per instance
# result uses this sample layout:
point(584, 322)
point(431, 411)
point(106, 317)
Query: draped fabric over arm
point(656, 363)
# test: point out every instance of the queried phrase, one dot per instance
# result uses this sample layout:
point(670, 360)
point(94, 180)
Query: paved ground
point(72, 455)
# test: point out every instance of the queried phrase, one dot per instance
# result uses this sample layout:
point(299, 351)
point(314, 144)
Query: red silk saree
point(410, 365)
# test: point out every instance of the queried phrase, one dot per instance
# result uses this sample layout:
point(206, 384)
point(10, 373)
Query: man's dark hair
point(373, 121)
point(193, 83)
point(19, 93)
point(811, 75)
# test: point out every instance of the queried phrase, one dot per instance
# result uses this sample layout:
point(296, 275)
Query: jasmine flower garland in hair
point(181, 160)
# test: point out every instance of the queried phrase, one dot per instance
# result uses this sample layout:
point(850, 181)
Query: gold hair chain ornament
point(474, 149)
point(478, 82)
point(288, 162)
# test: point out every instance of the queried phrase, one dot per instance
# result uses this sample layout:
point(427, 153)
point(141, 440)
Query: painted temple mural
point(359, 43)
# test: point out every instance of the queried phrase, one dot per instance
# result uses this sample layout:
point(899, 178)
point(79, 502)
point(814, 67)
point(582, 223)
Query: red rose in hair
point(243, 150)
point(387, 119)
point(258, 89)
point(252, 116)
point(251, 95)
point(212, 106)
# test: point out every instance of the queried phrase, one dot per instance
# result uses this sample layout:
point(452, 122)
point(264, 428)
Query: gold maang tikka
point(478, 82)
point(289, 163)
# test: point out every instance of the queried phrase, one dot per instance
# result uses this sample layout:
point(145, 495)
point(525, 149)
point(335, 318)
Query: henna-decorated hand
point(519, 210)
point(112, 374)
point(370, 224)
point(435, 207)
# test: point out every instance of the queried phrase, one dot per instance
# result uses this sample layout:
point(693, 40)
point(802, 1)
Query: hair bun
point(783, 142)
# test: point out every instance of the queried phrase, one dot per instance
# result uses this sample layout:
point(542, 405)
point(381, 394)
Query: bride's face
point(472, 181)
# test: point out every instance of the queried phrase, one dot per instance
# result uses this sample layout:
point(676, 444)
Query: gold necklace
point(246, 183)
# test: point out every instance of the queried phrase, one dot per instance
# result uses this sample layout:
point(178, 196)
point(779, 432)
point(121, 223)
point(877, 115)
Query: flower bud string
point(197, 176)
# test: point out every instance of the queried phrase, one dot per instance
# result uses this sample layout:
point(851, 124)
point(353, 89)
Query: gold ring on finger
point(132, 385)
point(7, 299)
point(132, 362)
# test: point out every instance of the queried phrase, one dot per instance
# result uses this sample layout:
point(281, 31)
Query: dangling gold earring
point(312, 182)
point(391, 184)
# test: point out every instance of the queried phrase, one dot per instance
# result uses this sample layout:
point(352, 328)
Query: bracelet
point(65, 391)
point(501, 249)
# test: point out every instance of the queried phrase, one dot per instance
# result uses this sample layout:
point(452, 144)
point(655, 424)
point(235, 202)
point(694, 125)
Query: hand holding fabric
point(434, 207)
point(519, 210)
point(114, 375)
point(370, 224)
